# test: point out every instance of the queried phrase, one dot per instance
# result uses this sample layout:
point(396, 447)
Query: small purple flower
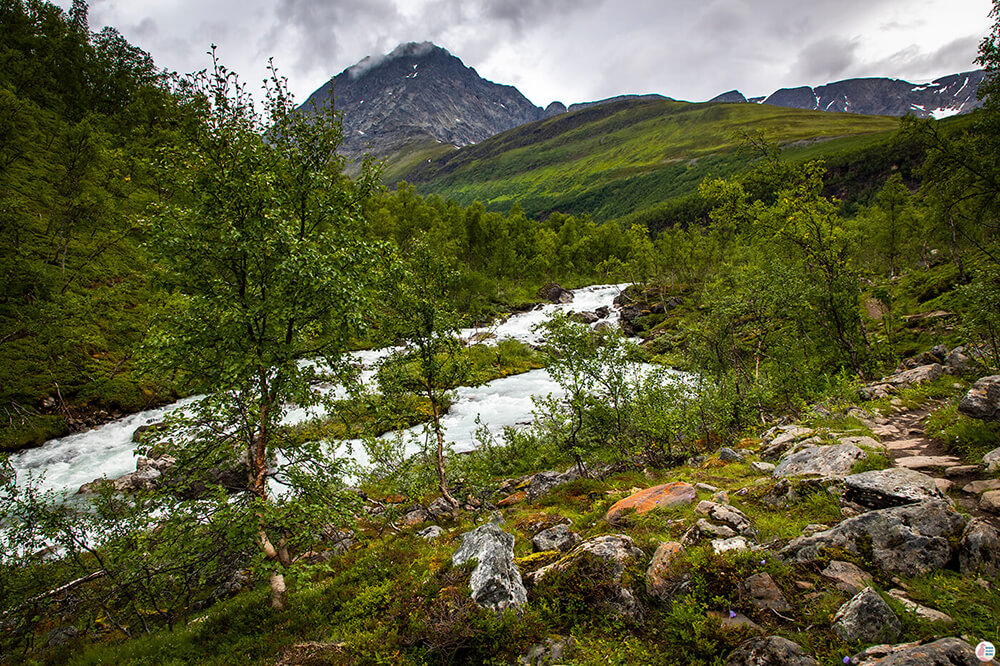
point(847, 660)
point(763, 562)
point(732, 614)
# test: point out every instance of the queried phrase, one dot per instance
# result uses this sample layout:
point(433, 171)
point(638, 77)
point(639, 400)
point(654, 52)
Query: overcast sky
point(571, 50)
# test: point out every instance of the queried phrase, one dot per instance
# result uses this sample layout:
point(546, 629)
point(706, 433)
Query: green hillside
point(615, 159)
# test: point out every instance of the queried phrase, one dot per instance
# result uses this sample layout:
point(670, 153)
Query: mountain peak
point(407, 50)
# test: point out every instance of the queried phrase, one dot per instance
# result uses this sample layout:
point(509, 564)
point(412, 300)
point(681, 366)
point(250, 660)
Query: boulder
point(981, 486)
point(729, 515)
point(495, 582)
point(879, 489)
point(553, 293)
point(889, 385)
point(441, 508)
point(706, 530)
point(991, 460)
point(733, 544)
point(905, 540)
point(990, 501)
point(979, 550)
point(769, 651)
point(543, 482)
point(983, 400)
point(555, 538)
point(585, 317)
point(765, 594)
point(866, 618)
point(726, 453)
point(666, 578)
point(943, 652)
point(431, 533)
point(665, 496)
point(828, 462)
point(762, 467)
point(612, 554)
point(847, 577)
point(958, 363)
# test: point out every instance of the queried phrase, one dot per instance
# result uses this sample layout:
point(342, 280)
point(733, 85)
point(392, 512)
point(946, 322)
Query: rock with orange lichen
point(666, 496)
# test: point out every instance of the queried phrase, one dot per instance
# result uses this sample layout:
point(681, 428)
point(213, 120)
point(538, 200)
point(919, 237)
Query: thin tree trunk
point(439, 460)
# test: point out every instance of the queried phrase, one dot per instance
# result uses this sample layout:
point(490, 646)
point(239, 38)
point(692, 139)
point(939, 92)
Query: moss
point(32, 431)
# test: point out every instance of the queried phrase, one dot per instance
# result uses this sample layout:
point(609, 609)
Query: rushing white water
point(69, 462)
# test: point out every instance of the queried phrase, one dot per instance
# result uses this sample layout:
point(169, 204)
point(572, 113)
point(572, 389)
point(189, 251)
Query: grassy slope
point(614, 159)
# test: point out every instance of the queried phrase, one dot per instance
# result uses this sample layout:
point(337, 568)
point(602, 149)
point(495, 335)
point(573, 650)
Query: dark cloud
point(825, 60)
point(572, 50)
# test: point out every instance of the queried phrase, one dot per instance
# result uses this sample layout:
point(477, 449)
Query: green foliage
point(970, 438)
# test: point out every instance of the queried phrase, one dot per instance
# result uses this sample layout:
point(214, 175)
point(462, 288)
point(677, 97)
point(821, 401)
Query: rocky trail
point(904, 438)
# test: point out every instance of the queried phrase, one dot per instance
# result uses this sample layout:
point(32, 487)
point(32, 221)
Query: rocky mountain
point(947, 96)
point(419, 94)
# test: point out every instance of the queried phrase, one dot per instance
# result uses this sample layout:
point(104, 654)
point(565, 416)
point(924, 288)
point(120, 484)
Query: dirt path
point(904, 437)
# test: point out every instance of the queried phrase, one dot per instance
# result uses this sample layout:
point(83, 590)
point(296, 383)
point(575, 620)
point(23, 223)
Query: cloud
point(825, 60)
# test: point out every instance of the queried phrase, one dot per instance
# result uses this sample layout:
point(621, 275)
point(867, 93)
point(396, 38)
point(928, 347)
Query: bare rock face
point(879, 489)
point(983, 399)
point(772, 650)
point(828, 462)
point(905, 540)
point(495, 582)
point(866, 618)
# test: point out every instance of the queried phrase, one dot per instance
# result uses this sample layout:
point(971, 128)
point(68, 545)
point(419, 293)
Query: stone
point(585, 317)
point(431, 533)
point(990, 501)
point(847, 577)
point(904, 540)
point(615, 552)
point(828, 462)
point(762, 467)
point(726, 453)
point(983, 400)
point(62, 636)
point(961, 470)
point(555, 538)
point(943, 652)
point(734, 621)
point(903, 444)
point(769, 651)
point(415, 517)
point(706, 529)
point(991, 460)
point(495, 582)
point(440, 508)
point(957, 363)
point(721, 497)
point(896, 486)
point(944, 486)
point(665, 577)
point(730, 515)
point(706, 487)
point(543, 482)
point(666, 496)
point(553, 650)
point(920, 611)
point(866, 618)
point(553, 293)
point(981, 486)
point(979, 550)
point(736, 543)
point(513, 498)
point(927, 462)
point(765, 594)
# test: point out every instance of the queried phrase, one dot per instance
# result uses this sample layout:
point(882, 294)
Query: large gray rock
point(983, 399)
point(943, 652)
point(729, 515)
point(827, 462)
point(614, 553)
point(495, 582)
point(769, 651)
point(889, 385)
point(992, 460)
point(866, 618)
point(879, 489)
point(904, 540)
point(555, 538)
point(554, 293)
point(979, 551)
